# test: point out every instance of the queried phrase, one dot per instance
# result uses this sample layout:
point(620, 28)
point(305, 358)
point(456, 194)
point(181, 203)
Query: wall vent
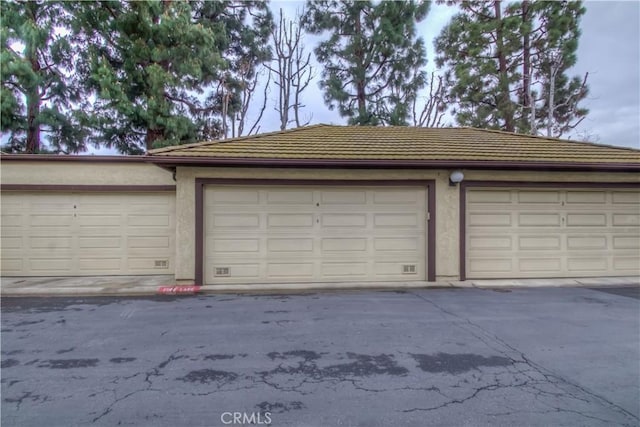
point(161, 263)
point(409, 269)
point(222, 271)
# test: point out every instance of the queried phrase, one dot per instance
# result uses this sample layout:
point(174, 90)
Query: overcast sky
point(609, 51)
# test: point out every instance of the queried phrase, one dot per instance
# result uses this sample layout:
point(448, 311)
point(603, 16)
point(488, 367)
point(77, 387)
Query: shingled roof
point(402, 143)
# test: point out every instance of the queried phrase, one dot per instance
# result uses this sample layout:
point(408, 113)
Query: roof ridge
point(236, 139)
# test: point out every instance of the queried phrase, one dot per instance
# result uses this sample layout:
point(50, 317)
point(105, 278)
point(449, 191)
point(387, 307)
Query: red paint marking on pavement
point(178, 290)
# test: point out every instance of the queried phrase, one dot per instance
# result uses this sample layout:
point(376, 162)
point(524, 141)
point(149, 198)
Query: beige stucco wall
point(447, 201)
point(82, 173)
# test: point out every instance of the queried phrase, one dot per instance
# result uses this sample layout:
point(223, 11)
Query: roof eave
point(74, 158)
point(396, 164)
point(172, 161)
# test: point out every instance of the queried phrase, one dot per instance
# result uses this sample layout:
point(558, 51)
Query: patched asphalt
point(450, 357)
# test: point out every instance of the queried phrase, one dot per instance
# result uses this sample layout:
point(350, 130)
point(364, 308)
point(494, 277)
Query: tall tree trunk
point(360, 83)
point(551, 100)
point(33, 127)
point(526, 68)
point(33, 97)
point(504, 103)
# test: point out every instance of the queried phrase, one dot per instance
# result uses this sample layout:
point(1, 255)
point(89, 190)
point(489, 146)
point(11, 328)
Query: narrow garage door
point(314, 234)
point(81, 234)
point(529, 233)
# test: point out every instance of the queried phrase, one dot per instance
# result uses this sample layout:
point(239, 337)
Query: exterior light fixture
point(455, 178)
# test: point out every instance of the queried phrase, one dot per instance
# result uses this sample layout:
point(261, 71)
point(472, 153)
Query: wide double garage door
point(276, 234)
point(81, 234)
point(552, 232)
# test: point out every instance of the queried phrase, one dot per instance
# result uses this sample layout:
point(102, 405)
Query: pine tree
point(38, 94)
point(507, 65)
point(154, 67)
point(369, 57)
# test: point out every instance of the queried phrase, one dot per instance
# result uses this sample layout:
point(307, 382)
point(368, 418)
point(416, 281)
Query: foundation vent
point(222, 271)
point(409, 269)
point(161, 263)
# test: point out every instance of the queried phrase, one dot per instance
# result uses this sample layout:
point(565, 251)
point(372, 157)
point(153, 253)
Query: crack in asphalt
point(505, 349)
point(153, 372)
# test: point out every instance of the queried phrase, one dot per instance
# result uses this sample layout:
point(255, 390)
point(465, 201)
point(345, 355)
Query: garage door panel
point(343, 244)
point(11, 221)
point(341, 270)
point(594, 264)
point(626, 198)
point(49, 242)
point(548, 264)
point(99, 242)
point(490, 242)
point(545, 197)
point(290, 244)
point(410, 244)
point(50, 220)
point(11, 242)
point(315, 234)
point(97, 220)
point(587, 242)
point(148, 220)
point(398, 197)
point(628, 264)
point(11, 266)
point(148, 242)
point(223, 196)
point(88, 233)
point(51, 264)
point(626, 220)
point(589, 197)
point(490, 196)
point(290, 269)
point(586, 219)
point(290, 220)
point(343, 197)
point(626, 242)
point(586, 233)
point(539, 242)
point(490, 219)
point(288, 197)
point(220, 246)
point(235, 220)
point(538, 219)
point(396, 220)
point(102, 263)
point(343, 220)
point(490, 265)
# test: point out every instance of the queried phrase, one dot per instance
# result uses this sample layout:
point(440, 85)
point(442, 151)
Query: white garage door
point(81, 234)
point(528, 233)
point(314, 234)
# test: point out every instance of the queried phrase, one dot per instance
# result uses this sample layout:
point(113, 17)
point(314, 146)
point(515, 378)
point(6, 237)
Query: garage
point(315, 233)
point(57, 233)
point(329, 206)
point(546, 231)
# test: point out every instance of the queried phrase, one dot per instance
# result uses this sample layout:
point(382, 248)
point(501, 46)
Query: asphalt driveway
point(546, 356)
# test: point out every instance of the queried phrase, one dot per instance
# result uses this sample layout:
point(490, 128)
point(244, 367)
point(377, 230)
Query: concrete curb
point(146, 286)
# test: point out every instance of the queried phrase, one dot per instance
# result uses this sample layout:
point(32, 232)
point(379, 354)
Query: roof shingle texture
point(403, 143)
